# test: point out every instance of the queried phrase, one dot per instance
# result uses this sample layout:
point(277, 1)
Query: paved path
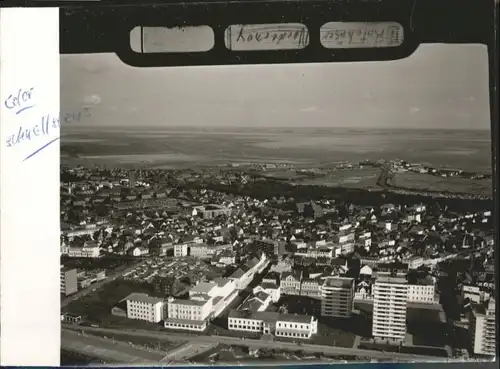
point(187, 351)
point(108, 350)
point(97, 285)
point(330, 350)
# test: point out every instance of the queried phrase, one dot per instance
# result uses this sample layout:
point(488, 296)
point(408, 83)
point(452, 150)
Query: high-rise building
point(390, 294)
point(69, 281)
point(482, 328)
point(337, 297)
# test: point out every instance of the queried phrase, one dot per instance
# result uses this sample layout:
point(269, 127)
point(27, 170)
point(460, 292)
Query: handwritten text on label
point(267, 36)
point(20, 101)
point(46, 126)
point(336, 35)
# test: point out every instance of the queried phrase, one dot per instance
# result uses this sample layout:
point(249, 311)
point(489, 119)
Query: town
point(226, 265)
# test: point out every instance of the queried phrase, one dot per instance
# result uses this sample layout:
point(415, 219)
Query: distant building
point(87, 251)
point(269, 323)
point(211, 211)
point(69, 281)
point(140, 306)
point(180, 250)
point(482, 329)
point(337, 297)
point(390, 294)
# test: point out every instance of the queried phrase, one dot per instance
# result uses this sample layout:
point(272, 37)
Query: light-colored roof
point(189, 302)
point(204, 287)
point(142, 297)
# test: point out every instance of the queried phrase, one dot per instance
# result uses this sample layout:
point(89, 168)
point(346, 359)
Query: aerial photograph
point(273, 214)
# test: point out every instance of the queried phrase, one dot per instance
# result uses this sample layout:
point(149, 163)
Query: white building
point(143, 307)
point(482, 327)
point(390, 294)
point(206, 301)
point(180, 250)
point(474, 293)
point(337, 297)
point(422, 292)
point(272, 289)
point(87, 251)
point(270, 323)
point(189, 314)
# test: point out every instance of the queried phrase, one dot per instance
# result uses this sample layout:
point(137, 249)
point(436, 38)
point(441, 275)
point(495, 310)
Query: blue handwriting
point(45, 126)
point(20, 101)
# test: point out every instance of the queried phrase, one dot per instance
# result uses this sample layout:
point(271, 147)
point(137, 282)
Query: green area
point(95, 307)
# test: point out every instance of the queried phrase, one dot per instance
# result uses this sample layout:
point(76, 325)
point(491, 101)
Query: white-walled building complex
point(143, 307)
point(280, 325)
point(206, 301)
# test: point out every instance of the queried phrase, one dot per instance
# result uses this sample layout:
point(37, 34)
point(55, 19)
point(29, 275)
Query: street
point(108, 350)
point(330, 350)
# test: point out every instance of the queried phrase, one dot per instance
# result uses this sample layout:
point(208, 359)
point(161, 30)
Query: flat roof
point(204, 287)
point(142, 297)
point(339, 282)
point(269, 316)
point(189, 302)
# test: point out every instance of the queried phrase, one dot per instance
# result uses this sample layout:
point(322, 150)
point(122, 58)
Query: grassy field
point(95, 307)
point(452, 184)
point(145, 342)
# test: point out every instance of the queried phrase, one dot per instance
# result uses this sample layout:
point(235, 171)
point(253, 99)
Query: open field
point(144, 342)
point(470, 150)
point(96, 306)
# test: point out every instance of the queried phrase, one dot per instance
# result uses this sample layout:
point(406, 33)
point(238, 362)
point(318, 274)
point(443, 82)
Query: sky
point(438, 87)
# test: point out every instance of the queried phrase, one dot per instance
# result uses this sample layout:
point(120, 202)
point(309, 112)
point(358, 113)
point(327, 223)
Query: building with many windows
point(140, 306)
point(482, 329)
point(189, 314)
point(337, 297)
point(69, 281)
point(270, 323)
point(424, 291)
point(390, 294)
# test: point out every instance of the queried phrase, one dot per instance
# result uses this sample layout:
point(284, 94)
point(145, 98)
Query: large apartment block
point(337, 297)
point(69, 281)
point(482, 329)
point(390, 294)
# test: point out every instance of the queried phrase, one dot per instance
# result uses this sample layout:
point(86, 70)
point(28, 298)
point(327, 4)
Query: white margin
point(29, 201)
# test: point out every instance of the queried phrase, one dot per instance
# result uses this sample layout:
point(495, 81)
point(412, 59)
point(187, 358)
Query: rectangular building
point(140, 306)
point(390, 294)
point(192, 314)
point(69, 281)
point(337, 297)
point(280, 325)
point(482, 329)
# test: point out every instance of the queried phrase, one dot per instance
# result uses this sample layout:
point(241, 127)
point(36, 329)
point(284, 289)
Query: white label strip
point(172, 40)
point(277, 36)
point(350, 35)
